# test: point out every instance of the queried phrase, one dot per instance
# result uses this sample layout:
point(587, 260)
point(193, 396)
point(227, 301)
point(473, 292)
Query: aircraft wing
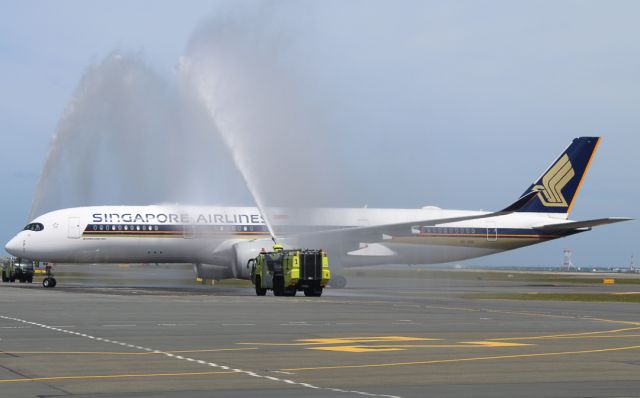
point(350, 238)
point(582, 224)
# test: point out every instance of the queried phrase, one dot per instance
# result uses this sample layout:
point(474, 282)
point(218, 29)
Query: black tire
point(278, 286)
point(314, 291)
point(30, 279)
point(338, 282)
point(54, 282)
point(260, 291)
point(46, 282)
point(12, 278)
point(290, 291)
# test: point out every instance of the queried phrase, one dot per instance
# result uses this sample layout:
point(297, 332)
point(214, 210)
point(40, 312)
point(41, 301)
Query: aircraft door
point(75, 230)
point(492, 232)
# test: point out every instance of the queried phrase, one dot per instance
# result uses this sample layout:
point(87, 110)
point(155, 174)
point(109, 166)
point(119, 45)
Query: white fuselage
point(224, 237)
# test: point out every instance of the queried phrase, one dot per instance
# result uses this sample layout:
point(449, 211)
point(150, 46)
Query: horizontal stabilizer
point(582, 224)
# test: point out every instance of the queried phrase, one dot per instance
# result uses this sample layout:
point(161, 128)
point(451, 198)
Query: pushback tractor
point(289, 271)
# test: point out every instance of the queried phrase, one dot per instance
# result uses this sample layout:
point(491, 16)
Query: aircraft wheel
point(54, 282)
point(46, 282)
point(290, 291)
point(30, 279)
point(338, 282)
point(260, 291)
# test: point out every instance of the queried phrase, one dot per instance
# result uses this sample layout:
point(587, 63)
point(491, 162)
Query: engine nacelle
point(211, 271)
point(243, 252)
point(229, 260)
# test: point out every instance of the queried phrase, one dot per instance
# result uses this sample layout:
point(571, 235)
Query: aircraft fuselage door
point(75, 230)
point(492, 232)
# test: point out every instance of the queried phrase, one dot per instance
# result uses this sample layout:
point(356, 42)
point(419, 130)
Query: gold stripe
point(583, 175)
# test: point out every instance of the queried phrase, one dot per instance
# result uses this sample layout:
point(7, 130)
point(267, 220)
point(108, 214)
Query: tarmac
point(379, 337)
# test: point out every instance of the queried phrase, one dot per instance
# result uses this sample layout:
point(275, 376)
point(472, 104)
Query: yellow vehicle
point(17, 269)
point(287, 271)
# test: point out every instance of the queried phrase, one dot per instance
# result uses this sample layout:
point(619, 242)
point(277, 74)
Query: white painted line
point(118, 326)
point(212, 364)
point(238, 324)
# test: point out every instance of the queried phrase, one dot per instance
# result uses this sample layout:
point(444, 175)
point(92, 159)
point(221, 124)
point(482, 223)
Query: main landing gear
point(49, 280)
point(338, 282)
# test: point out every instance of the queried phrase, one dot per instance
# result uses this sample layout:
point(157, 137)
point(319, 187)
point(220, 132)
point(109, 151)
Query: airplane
point(219, 241)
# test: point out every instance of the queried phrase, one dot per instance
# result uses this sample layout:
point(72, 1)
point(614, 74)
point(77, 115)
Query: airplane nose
point(13, 247)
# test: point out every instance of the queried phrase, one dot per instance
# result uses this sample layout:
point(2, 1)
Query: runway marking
point(238, 324)
point(117, 326)
point(343, 340)
point(438, 361)
point(121, 376)
point(122, 352)
point(404, 347)
point(373, 339)
point(466, 309)
point(566, 335)
point(212, 364)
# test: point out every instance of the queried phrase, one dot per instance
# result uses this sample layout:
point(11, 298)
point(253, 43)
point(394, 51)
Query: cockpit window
point(36, 226)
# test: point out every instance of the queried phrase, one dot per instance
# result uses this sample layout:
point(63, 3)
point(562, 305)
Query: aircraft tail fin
point(558, 186)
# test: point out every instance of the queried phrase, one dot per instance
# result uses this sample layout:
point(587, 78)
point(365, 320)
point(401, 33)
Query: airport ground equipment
point(17, 269)
point(288, 271)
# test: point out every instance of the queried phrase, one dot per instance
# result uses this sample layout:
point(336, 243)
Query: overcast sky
point(455, 104)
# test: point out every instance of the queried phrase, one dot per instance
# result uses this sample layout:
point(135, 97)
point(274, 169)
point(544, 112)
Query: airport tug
point(287, 271)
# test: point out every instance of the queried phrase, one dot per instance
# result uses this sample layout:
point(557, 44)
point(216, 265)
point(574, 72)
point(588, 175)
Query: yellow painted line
point(122, 376)
point(404, 347)
point(625, 293)
point(515, 356)
point(613, 336)
point(536, 314)
point(121, 352)
point(373, 339)
point(346, 340)
point(557, 336)
point(358, 349)
point(494, 344)
point(614, 321)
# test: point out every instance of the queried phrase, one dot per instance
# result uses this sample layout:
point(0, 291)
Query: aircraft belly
point(499, 242)
point(133, 250)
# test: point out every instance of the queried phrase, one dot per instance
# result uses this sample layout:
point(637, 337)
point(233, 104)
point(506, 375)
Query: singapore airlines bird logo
point(559, 175)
